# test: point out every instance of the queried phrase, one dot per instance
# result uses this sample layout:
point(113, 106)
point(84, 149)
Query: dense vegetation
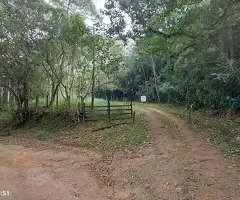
point(48, 52)
point(187, 51)
point(179, 51)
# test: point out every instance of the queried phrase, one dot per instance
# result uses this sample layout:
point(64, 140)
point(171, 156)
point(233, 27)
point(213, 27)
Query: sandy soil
point(174, 163)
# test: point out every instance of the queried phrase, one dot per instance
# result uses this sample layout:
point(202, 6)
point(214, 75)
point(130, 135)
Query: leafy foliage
point(47, 49)
point(186, 51)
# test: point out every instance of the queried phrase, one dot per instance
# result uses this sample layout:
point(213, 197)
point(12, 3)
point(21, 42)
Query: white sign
point(143, 99)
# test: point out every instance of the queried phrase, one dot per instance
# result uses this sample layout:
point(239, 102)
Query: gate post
point(108, 108)
point(131, 109)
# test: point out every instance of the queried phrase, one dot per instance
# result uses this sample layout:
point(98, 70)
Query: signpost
point(143, 99)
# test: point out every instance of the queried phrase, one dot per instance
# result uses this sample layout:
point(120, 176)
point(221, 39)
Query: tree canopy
point(186, 51)
point(47, 48)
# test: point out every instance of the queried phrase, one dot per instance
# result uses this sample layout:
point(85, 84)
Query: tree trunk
point(93, 74)
point(69, 100)
point(37, 101)
point(4, 97)
point(26, 97)
point(155, 78)
point(1, 97)
point(53, 93)
point(231, 44)
point(57, 99)
point(12, 98)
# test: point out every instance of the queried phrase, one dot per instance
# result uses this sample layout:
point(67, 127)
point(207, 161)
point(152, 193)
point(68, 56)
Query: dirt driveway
point(174, 163)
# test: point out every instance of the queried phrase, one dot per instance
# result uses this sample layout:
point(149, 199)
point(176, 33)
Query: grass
point(126, 136)
point(49, 126)
point(56, 130)
point(5, 117)
point(223, 132)
point(60, 127)
point(62, 104)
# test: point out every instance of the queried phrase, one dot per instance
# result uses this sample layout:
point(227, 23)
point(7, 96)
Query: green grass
point(102, 102)
point(126, 136)
point(5, 117)
point(61, 127)
point(50, 125)
point(62, 104)
point(224, 132)
point(44, 125)
point(97, 102)
point(55, 126)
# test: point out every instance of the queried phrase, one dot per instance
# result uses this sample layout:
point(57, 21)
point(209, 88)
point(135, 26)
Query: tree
point(197, 40)
point(38, 41)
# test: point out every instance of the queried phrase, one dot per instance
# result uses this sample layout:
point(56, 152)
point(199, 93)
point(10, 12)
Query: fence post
point(131, 109)
point(133, 118)
point(190, 114)
point(108, 108)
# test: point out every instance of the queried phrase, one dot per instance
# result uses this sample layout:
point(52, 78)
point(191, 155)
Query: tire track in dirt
point(30, 173)
point(208, 174)
point(174, 163)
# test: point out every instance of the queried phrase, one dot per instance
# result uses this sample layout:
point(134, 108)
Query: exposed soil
point(174, 163)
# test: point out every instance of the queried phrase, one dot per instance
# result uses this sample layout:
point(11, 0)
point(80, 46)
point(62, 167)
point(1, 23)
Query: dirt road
point(174, 163)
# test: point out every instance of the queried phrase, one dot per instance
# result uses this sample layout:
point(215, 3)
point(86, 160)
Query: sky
point(99, 5)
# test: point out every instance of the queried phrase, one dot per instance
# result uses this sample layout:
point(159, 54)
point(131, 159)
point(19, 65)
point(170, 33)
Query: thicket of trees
point(187, 51)
point(47, 49)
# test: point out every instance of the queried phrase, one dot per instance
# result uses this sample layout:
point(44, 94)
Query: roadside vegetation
point(5, 117)
point(61, 127)
point(114, 138)
point(53, 59)
point(98, 135)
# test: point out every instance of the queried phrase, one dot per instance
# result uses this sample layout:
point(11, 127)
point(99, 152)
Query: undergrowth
point(62, 128)
point(113, 138)
point(5, 118)
point(50, 125)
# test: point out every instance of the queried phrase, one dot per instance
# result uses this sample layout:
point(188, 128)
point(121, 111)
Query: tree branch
point(183, 50)
point(167, 36)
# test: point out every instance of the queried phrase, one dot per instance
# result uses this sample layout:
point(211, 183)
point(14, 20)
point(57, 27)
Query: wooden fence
point(106, 112)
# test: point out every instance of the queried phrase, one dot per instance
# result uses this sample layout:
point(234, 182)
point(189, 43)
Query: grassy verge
point(125, 136)
point(61, 129)
point(224, 132)
point(5, 117)
point(50, 126)
point(60, 126)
